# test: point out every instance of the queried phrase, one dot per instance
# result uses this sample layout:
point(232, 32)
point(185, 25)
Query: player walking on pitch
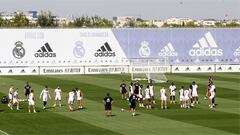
point(70, 98)
point(58, 96)
point(10, 96)
point(31, 102)
point(27, 90)
point(123, 89)
point(133, 101)
point(44, 95)
point(195, 92)
point(107, 101)
point(15, 98)
point(181, 97)
point(151, 88)
point(163, 97)
point(172, 89)
point(148, 98)
point(79, 94)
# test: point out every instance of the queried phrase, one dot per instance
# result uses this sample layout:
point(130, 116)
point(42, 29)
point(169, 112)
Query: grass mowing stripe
point(44, 123)
point(4, 133)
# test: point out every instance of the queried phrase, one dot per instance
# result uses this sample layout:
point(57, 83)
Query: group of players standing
point(188, 97)
point(13, 97)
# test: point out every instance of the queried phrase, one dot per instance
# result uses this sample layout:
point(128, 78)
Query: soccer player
point(186, 98)
point(58, 96)
point(130, 90)
point(133, 101)
point(70, 98)
point(172, 89)
point(79, 94)
point(44, 95)
point(195, 92)
point(181, 97)
point(148, 98)
point(163, 97)
point(136, 87)
point(31, 102)
point(151, 88)
point(140, 96)
point(123, 89)
point(10, 96)
point(190, 95)
point(211, 95)
point(107, 101)
point(27, 89)
point(15, 98)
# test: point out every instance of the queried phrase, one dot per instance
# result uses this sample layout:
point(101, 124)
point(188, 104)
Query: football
point(122, 110)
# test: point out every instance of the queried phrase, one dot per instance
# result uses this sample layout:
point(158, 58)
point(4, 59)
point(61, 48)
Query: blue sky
point(146, 9)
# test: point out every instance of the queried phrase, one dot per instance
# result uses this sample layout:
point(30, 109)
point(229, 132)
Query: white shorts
point(15, 100)
point(172, 93)
point(181, 98)
point(211, 97)
point(70, 102)
point(164, 98)
point(152, 94)
point(139, 96)
point(58, 98)
point(31, 102)
point(186, 98)
point(10, 96)
point(79, 98)
point(194, 94)
point(44, 99)
point(147, 97)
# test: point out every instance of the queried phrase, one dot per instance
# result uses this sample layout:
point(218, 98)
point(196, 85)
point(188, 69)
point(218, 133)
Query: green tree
point(46, 19)
point(20, 20)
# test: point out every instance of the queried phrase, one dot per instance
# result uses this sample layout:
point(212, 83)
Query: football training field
point(224, 119)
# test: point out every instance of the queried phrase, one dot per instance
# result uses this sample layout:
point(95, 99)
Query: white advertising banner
point(19, 70)
point(227, 68)
point(150, 69)
point(59, 47)
point(61, 70)
point(192, 69)
point(106, 70)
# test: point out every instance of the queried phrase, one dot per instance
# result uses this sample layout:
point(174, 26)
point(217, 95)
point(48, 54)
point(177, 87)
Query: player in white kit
point(58, 96)
point(172, 89)
point(181, 97)
point(31, 102)
point(44, 95)
point(10, 96)
point(163, 97)
point(148, 98)
point(211, 95)
point(140, 96)
point(151, 88)
point(195, 92)
point(79, 95)
point(186, 98)
point(70, 98)
point(130, 90)
point(15, 98)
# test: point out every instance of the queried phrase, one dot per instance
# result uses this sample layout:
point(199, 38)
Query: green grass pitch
point(222, 120)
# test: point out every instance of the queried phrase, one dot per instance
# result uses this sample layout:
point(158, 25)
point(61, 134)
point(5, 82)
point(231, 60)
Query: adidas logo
point(206, 46)
point(237, 52)
point(105, 51)
point(45, 51)
point(168, 50)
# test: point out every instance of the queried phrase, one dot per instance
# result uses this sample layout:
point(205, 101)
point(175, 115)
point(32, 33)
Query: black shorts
point(27, 92)
point(124, 91)
point(108, 107)
point(133, 105)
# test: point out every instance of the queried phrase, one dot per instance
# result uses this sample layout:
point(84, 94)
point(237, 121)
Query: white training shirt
point(11, 90)
point(31, 97)
point(71, 95)
point(181, 93)
point(15, 95)
point(194, 87)
point(186, 93)
point(131, 89)
point(58, 92)
point(172, 88)
point(212, 90)
point(151, 88)
point(163, 92)
point(147, 93)
point(45, 93)
point(78, 93)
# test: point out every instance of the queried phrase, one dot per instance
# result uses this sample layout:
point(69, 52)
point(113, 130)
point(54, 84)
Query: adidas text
point(205, 52)
point(45, 54)
point(167, 54)
point(105, 54)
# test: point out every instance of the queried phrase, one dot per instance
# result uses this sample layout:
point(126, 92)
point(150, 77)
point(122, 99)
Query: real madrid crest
point(78, 50)
point(144, 50)
point(18, 51)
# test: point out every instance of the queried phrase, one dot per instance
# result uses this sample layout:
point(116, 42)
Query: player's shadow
point(137, 114)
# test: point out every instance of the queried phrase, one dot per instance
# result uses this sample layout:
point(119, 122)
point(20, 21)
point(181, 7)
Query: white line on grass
point(3, 132)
